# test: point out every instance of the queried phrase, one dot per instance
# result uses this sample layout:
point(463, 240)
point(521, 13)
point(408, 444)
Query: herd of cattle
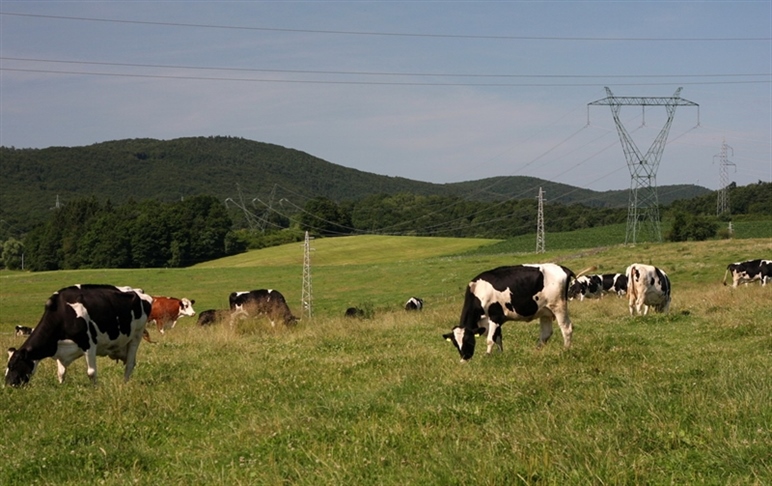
point(105, 320)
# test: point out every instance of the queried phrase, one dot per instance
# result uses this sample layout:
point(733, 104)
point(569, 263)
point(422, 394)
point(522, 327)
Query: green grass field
point(683, 398)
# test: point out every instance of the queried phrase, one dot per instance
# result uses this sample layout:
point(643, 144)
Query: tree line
point(88, 233)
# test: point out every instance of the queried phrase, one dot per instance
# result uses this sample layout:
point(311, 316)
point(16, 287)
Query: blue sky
point(437, 91)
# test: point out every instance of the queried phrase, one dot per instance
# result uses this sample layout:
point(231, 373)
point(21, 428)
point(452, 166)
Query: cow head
point(186, 307)
point(20, 367)
point(576, 289)
point(464, 340)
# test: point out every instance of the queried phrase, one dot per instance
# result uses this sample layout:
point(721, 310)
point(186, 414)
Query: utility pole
point(722, 203)
point(540, 224)
point(643, 205)
point(306, 298)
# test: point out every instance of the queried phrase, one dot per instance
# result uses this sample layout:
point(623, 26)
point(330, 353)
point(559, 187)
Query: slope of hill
point(31, 180)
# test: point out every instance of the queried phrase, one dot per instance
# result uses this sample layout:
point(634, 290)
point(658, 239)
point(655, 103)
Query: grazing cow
point(210, 316)
point(514, 293)
point(647, 286)
point(614, 282)
point(167, 310)
point(749, 271)
point(355, 312)
point(586, 286)
point(23, 331)
point(263, 302)
point(414, 303)
point(90, 320)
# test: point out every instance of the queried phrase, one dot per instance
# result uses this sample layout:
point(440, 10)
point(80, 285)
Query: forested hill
point(31, 180)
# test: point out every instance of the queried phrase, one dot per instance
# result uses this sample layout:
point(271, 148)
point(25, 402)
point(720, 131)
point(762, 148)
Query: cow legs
point(91, 363)
point(61, 370)
point(566, 328)
point(131, 358)
point(494, 336)
point(546, 329)
point(66, 352)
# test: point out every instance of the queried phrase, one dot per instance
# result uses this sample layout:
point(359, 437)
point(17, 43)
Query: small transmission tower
point(540, 224)
point(306, 297)
point(722, 204)
point(252, 220)
point(644, 205)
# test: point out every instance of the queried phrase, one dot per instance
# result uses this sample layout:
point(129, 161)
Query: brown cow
point(167, 310)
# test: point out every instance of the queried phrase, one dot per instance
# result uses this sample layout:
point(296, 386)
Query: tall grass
point(683, 398)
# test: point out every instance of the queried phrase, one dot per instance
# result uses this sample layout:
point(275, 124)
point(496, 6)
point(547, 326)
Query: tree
point(324, 217)
point(678, 230)
point(687, 226)
point(13, 254)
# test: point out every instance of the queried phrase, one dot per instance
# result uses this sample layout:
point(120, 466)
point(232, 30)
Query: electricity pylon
point(540, 224)
point(643, 208)
point(722, 203)
point(305, 297)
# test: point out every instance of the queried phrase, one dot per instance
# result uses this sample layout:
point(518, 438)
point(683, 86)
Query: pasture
point(682, 398)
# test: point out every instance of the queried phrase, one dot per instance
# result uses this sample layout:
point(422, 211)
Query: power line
point(394, 34)
point(370, 83)
point(378, 73)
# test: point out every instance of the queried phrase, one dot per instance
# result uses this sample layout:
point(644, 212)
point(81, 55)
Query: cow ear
point(448, 336)
point(480, 331)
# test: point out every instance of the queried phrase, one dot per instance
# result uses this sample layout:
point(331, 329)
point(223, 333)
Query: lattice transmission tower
point(540, 224)
point(306, 297)
point(722, 203)
point(643, 208)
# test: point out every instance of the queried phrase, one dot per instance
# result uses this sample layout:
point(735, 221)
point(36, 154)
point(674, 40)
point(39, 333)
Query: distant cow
point(90, 320)
point(586, 286)
point(414, 303)
point(167, 310)
point(23, 331)
point(211, 316)
point(355, 312)
point(263, 302)
point(647, 286)
point(614, 282)
point(514, 293)
point(749, 271)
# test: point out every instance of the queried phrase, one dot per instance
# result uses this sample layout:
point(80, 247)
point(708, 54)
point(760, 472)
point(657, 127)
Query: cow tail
point(725, 275)
point(586, 271)
point(632, 289)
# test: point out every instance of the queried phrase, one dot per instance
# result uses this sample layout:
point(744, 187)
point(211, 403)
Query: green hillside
point(32, 180)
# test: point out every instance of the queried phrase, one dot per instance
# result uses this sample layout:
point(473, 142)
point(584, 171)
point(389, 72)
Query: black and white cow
point(262, 302)
point(749, 271)
point(513, 293)
point(614, 282)
point(83, 320)
point(23, 330)
point(647, 286)
point(414, 303)
point(586, 287)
